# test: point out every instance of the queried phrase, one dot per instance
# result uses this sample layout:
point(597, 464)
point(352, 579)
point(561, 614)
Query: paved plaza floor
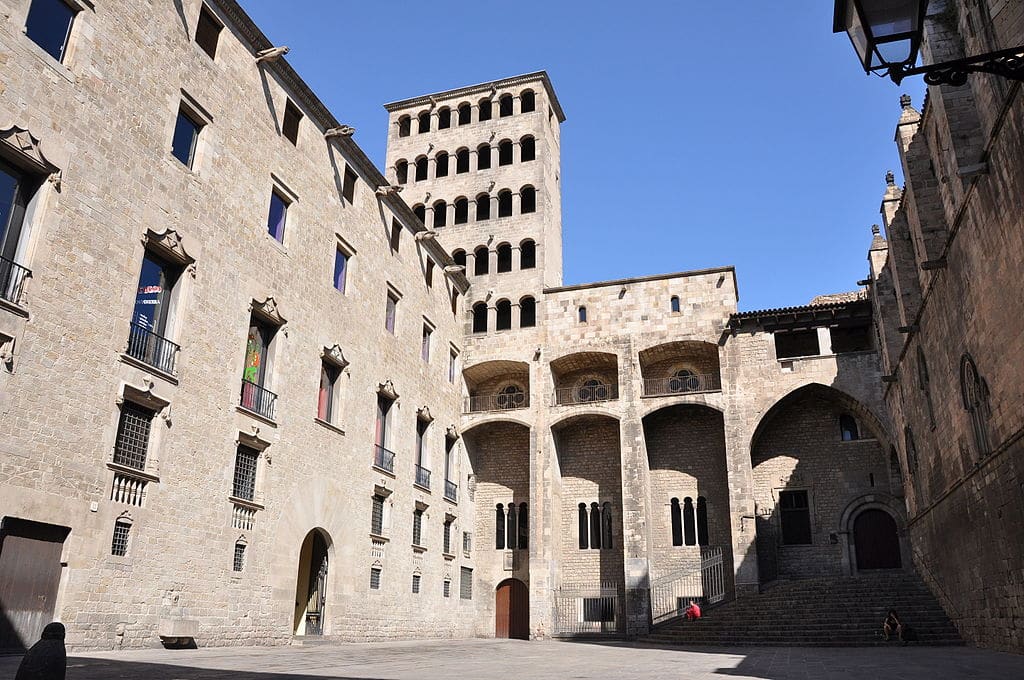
point(515, 660)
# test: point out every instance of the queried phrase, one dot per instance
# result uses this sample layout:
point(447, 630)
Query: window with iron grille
point(447, 589)
point(377, 515)
point(448, 537)
point(416, 583)
point(132, 441)
point(375, 578)
point(119, 544)
point(417, 527)
point(239, 562)
point(466, 583)
point(244, 486)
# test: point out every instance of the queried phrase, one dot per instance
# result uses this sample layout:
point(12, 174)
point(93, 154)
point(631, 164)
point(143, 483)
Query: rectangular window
point(855, 339)
point(329, 375)
point(389, 312)
point(119, 543)
point(255, 378)
point(157, 279)
point(15, 193)
point(796, 344)
point(467, 543)
point(340, 270)
point(277, 217)
point(208, 32)
point(348, 189)
point(447, 589)
point(382, 436)
point(238, 564)
point(598, 609)
point(375, 578)
point(49, 26)
point(396, 235)
point(416, 584)
point(425, 343)
point(448, 537)
point(244, 484)
point(795, 515)
point(417, 527)
point(290, 123)
point(429, 274)
point(377, 515)
point(466, 583)
point(133, 429)
point(453, 360)
point(186, 134)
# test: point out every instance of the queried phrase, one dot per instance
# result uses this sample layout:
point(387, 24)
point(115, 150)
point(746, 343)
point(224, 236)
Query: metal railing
point(451, 490)
point(681, 384)
point(258, 399)
point(12, 280)
point(152, 349)
point(422, 477)
point(383, 458)
point(497, 402)
point(585, 394)
point(672, 593)
point(589, 610)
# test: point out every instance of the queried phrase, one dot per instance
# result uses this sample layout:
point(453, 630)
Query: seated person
point(692, 612)
point(892, 624)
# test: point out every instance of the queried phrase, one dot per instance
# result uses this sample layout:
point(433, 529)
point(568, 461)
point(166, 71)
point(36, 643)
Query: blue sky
point(698, 134)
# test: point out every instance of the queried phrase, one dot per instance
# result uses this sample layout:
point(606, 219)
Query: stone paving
point(507, 659)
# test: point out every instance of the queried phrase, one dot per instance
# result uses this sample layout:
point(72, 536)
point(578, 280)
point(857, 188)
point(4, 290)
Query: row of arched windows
point(503, 315)
point(482, 207)
point(462, 114)
point(482, 257)
point(484, 160)
point(595, 526)
point(511, 527)
point(689, 527)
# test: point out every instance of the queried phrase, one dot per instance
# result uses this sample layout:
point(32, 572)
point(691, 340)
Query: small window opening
point(504, 315)
point(527, 149)
point(674, 304)
point(527, 200)
point(444, 119)
point(440, 214)
point(208, 32)
point(848, 428)
point(290, 124)
point(461, 211)
point(422, 166)
point(527, 254)
point(505, 203)
point(504, 258)
point(119, 542)
point(483, 157)
point(348, 189)
point(483, 207)
point(423, 121)
point(581, 314)
point(186, 135)
point(481, 265)
point(461, 161)
point(505, 106)
point(465, 114)
point(402, 171)
point(505, 153)
point(485, 109)
point(404, 126)
point(527, 101)
point(441, 165)
point(480, 317)
point(797, 344)
point(277, 216)
point(527, 312)
point(49, 25)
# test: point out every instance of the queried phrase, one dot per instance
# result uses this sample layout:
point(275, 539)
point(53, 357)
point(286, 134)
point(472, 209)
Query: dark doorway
point(512, 610)
point(311, 588)
point(876, 540)
point(30, 571)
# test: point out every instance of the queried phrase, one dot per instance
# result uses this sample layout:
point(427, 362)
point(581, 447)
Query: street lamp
point(887, 36)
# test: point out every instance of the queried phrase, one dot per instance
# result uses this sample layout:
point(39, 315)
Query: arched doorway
point(311, 584)
point(876, 540)
point(512, 610)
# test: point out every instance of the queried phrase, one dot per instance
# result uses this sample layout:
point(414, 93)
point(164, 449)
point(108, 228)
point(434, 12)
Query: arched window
point(527, 312)
point(974, 392)
point(402, 171)
point(674, 304)
point(527, 101)
point(444, 118)
point(527, 149)
point(505, 106)
point(527, 254)
point(504, 257)
point(848, 428)
point(677, 522)
point(440, 214)
point(683, 380)
point(581, 314)
point(404, 126)
point(421, 168)
point(483, 207)
point(527, 200)
point(461, 210)
point(480, 317)
point(460, 257)
point(420, 211)
point(441, 164)
point(689, 524)
point(499, 527)
point(504, 203)
point(595, 526)
point(465, 113)
point(511, 396)
point(606, 526)
point(485, 109)
point(924, 384)
point(510, 532)
point(583, 526)
point(424, 122)
point(481, 258)
point(504, 315)
point(505, 152)
point(702, 520)
point(483, 157)
point(523, 526)
point(461, 161)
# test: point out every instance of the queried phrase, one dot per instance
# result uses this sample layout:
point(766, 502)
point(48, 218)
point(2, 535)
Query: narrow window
point(923, 383)
point(340, 270)
point(441, 164)
point(677, 523)
point(795, 517)
point(455, 302)
point(422, 166)
point(277, 217)
point(674, 304)
point(974, 392)
point(523, 527)
point(527, 312)
point(329, 375)
point(459, 256)
point(527, 200)
point(208, 32)
point(425, 343)
point(505, 203)
point(49, 26)
point(485, 110)
point(133, 430)
point(581, 314)
point(186, 134)
point(461, 161)
point(404, 126)
point(257, 354)
point(527, 101)
point(148, 338)
point(505, 153)
point(238, 562)
point(384, 458)
point(505, 106)
point(244, 481)
point(499, 527)
point(16, 191)
point(527, 254)
point(440, 214)
point(453, 362)
point(428, 274)
point(504, 315)
point(375, 578)
point(481, 261)
point(424, 122)
point(483, 207)
point(848, 428)
point(480, 317)
point(447, 537)
point(402, 171)
point(444, 118)
point(377, 515)
point(348, 189)
point(527, 149)
point(483, 157)
point(702, 521)
point(389, 312)
point(466, 583)
point(504, 258)
point(465, 114)
point(583, 526)
point(461, 210)
point(396, 235)
point(417, 527)
point(606, 526)
point(290, 124)
point(689, 522)
point(595, 526)
point(119, 543)
point(416, 584)
point(447, 588)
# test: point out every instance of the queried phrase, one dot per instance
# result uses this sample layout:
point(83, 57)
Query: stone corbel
point(387, 388)
point(341, 131)
point(271, 54)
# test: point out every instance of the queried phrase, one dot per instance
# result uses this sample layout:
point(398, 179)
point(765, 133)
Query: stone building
point(296, 395)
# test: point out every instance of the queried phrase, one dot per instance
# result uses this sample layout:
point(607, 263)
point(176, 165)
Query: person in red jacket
point(692, 612)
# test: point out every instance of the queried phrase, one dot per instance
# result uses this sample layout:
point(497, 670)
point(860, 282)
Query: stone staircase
point(826, 612)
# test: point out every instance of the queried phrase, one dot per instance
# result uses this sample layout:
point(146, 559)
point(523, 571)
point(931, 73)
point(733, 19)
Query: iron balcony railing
point(585, 394)
point(422, 477)
point(703, 583)
point(152, 349)
point(383, 458)
point(681, 384)
point(258, 399)
point(451, 490)
point(12, 280)
point(497, 402)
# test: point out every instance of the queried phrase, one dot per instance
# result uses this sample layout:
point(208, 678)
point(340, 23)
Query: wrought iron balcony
point(383, 458)
point(682, 384)
point(258, 399)
point(152, 349)
point(422, 477)
point(505, 401)
point(12, 280)
point(451, 490)
point(585, 394)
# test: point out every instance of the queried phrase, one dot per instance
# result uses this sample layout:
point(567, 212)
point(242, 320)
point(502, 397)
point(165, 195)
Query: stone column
point(494, 154)
point(450, 217)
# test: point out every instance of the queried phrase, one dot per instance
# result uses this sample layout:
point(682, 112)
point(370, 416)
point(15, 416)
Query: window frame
point(73, 8)
point(285, 202)
point(391, 310)
point(793, 512)
point(244, 477)
point(188, 114)
point(211, 22)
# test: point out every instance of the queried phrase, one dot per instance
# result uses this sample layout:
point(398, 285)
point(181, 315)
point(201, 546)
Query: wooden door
point(30, 571)
point(876, 541)
point(502, 604)
point(512, 610)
